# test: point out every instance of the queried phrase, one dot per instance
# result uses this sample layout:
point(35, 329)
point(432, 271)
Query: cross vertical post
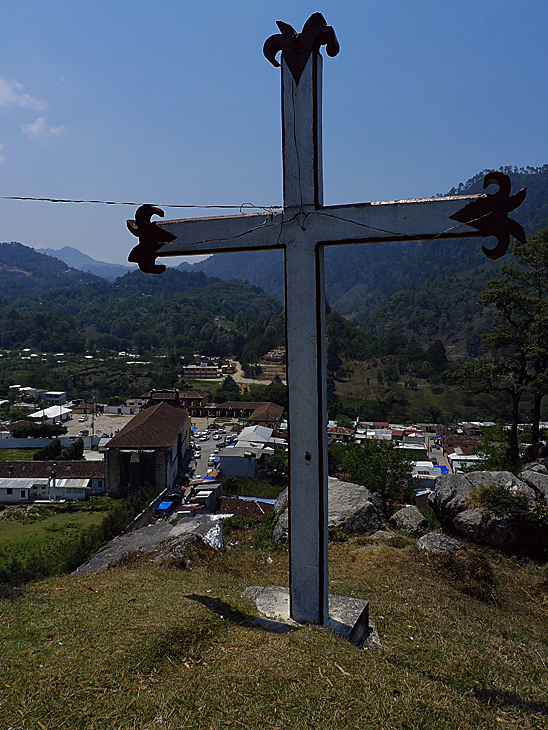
point(305, 333)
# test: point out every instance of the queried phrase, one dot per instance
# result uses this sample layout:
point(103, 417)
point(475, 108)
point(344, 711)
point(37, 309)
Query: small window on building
point(9, 491)
point(100, 483)
point(23, 493)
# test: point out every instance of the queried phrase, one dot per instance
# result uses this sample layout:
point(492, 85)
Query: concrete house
point(152, 449)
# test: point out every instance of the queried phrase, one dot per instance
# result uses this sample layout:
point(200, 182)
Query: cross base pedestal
point(348, 617)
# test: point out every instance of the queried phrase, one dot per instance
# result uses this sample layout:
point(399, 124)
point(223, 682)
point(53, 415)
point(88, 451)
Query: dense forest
point(46, 306)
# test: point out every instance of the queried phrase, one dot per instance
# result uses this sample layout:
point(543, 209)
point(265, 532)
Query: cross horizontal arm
point(398, 220)
point(454, 216)
point(222, 234)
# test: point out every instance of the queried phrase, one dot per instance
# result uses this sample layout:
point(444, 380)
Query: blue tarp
point(258, 499)
point(164, 506)
point(444, 470)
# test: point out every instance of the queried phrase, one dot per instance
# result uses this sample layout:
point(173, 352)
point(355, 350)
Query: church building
point(151, 450)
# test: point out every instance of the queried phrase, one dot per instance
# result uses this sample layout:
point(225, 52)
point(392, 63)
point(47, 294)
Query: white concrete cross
point(302, 229)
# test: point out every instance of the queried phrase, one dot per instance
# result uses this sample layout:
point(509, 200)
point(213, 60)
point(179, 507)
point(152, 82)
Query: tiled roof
point(193, 394)
point(155, 427)
point(235, 404)
point(267, 412)
point(63, 469)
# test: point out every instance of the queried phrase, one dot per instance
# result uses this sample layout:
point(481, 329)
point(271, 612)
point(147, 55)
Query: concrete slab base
point(348, 617)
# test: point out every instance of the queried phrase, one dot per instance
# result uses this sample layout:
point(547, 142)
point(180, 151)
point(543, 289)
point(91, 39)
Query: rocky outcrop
point(351, 508)
point(410, 519)
point(458, 513)
point(536, 477)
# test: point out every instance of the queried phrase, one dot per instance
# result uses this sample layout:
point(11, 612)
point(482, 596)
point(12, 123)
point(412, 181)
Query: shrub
point(469, 573)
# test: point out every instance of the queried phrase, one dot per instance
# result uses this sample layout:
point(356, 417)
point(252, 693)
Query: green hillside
point(45, 305)
point(359, 278)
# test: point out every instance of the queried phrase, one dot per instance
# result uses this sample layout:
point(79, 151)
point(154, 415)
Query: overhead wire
point(240, 207)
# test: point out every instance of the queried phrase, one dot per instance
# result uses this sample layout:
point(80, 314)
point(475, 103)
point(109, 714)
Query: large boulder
point(450, 495)
point(280, 535)
point(281, 502)
point(482, 526)
point(458, 513)
point(410, 519)
point(351, 508)
point(452, 491)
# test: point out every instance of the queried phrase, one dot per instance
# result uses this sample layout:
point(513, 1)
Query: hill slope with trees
point(359, 278)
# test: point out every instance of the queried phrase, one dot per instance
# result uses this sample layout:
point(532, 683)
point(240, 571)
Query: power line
point(242, 206)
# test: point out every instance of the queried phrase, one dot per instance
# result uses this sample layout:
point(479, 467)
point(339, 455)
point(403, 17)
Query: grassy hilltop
point(465, 645)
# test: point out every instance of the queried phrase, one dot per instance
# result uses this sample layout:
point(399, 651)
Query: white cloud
point(2, 158)
point(40, 130)
point(11, 94)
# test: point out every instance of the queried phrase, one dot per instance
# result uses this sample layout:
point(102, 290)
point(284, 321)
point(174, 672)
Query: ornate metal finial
point(296, 47)
point(489, 214)
point(151, 238)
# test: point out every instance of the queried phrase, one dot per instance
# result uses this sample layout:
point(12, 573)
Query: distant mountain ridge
point(78, 260)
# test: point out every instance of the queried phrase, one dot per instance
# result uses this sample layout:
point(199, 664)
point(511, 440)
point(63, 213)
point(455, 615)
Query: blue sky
point(174, 103)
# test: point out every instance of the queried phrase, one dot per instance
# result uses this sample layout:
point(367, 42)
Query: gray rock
point(452, 491)
point(536, 466)
point(485, 528)
point(536, 480)
point(435, 542)
point(410, 519)
point(386, 534)
point(150, 539)
point(280, 534)
point(281, 502)
point(351, 508)
point(450, 496)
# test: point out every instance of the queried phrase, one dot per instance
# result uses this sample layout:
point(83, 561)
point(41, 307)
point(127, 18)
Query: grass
point(146, 647)
point(17, 454)
point(48, 521)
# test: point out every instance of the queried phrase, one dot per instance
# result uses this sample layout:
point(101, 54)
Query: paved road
point(207, 448)
point(104, 423)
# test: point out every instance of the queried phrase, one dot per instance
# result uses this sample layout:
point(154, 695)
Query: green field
point(41, 540)
point(49, 522)
point(17, 454)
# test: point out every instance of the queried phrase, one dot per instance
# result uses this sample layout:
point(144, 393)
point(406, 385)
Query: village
point(184, 446)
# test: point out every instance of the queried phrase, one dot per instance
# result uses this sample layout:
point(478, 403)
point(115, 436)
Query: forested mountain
point(359, 278)
point(23, 270)
point(44, 304)
point(445, 308)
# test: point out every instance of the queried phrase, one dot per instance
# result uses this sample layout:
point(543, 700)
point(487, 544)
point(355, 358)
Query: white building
point(15, 490)
point(53, 414)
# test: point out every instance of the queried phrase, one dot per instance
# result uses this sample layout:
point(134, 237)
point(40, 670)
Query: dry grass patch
point(151, 647)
